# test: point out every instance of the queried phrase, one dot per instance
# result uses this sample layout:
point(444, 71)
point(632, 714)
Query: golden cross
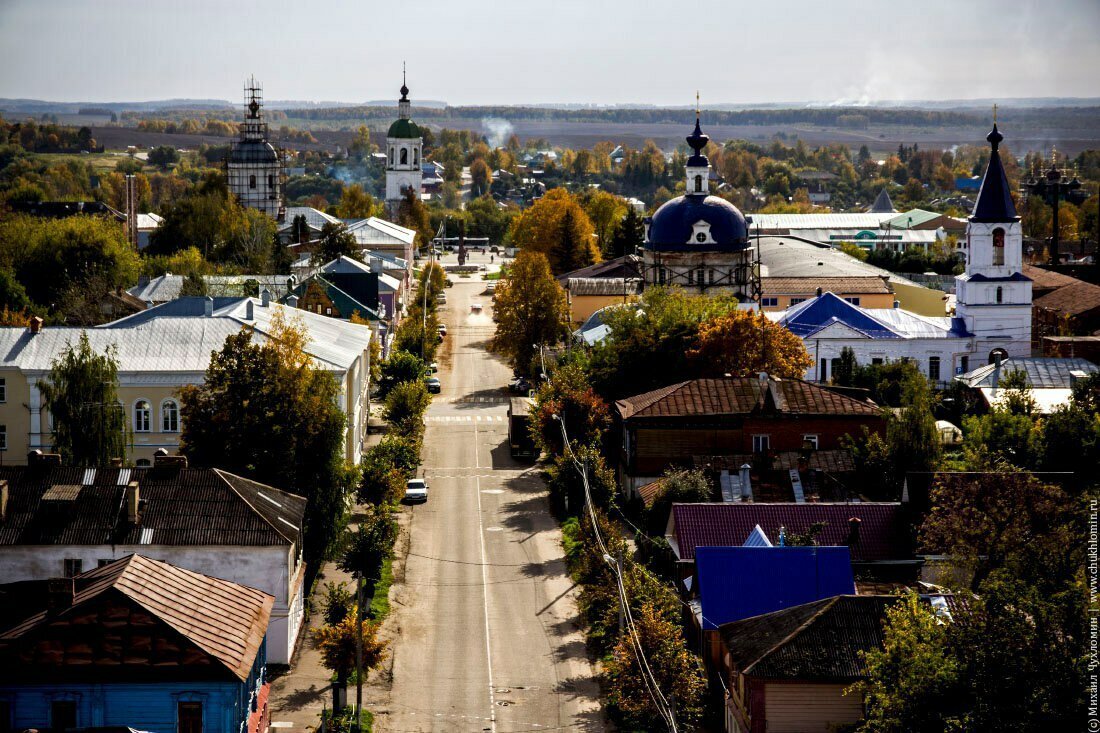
point(994, 114)
point(696, 104)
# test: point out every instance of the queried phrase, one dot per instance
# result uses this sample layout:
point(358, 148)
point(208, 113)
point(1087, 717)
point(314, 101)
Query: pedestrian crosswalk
point(471, 400)
point(464, 418)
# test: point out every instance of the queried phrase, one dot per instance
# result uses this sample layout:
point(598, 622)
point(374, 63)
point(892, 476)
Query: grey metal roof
point(1042, 373)
point(821, 221)
point(793, 257)
point(159, 289)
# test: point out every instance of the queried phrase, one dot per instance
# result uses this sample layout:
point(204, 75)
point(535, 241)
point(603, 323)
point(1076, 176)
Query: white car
point(491, 287)
point(475, 307)
point(416, 490)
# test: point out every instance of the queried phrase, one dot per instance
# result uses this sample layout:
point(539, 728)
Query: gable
point(838, 330)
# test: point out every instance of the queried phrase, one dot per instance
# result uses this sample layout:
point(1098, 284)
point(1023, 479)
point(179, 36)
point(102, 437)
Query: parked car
point(519, 385)
point(416, 489)
point(433, 367)
point(494, 249)
point(491, 287)
point(441, 299)
point(442, 329)
point(434, 385)
point(475, 307)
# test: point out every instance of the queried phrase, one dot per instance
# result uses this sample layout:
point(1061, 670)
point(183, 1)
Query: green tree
point(529, 309)
point(386, 467)
point(335, 242)
point(844, 374)
point(405, 406)
point(370, 544)
point(413, 214)
point(683, 486)
point(566, 485)
point(265, 412)
point(567, 397)
point(606, 211)
point(628, 237)
point(81, 395)
point(164, 156)
point(400, 367)
point(539, 229)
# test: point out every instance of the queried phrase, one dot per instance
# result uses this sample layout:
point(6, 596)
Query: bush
point(386, 467)
point(405, 406)
point(400, 367)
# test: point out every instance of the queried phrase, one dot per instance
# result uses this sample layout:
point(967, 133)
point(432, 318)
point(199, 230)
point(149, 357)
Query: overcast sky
point(555, 51)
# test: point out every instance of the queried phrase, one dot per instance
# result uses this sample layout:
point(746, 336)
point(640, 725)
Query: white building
point(993, 296)
point(993, 315)
point(254, 171)
point(58, 521)
point(404, 146)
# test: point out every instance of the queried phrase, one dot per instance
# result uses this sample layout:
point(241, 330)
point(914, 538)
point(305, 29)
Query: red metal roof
point(882, 532)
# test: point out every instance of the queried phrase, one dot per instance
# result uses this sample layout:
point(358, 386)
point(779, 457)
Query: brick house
point(712, 417)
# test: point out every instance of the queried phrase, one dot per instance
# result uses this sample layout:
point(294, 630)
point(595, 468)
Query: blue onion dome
point(698, 140)
point(675, 226)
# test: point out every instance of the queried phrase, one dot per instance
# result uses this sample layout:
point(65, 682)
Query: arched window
point(169, 416)
point(416, 156)
point(997, 354)
point(143, 416)
point(271, 180)
point(391, 156)
point(698, 183)
point(1000, 294)
point(404, 156)
point(998, 247)
point(252, 181)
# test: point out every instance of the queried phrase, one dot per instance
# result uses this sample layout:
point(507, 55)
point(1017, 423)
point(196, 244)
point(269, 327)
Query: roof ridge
point(222, 474)
point(826, 603)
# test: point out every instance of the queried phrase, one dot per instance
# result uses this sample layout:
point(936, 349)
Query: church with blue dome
point(698, 242)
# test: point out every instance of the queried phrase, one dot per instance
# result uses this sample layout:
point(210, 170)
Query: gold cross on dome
point(696, 104)
point(994, 114)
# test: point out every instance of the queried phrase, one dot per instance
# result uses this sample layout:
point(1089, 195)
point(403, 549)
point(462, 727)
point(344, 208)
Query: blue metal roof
point(812, 316)
point(672, 227)
point(740, 582)
point(1016, 277)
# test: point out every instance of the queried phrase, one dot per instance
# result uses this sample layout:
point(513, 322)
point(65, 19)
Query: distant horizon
point(573, 52)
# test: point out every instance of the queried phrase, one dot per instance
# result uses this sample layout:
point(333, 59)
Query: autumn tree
point(742, 343)
point(683, 486)
point(539, 229)
point(481, 177)
point(339, 645)
point(400, 367)
point(568, 397)
point(81, 395)
point(676, 671)
point(355, 203)
point(628, 236)
point(264, 411)
point(606, 211)
point(413, 214)
point(529, 309)
point(405, 405)
point(335, 242)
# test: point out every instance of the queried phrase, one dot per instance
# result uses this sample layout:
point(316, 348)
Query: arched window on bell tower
point(404, 156)
point(391, 155)
point(998, 247)
point(698, 183)
point(1000, 294)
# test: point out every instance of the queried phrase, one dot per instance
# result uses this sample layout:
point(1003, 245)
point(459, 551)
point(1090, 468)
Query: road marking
point(485, 602)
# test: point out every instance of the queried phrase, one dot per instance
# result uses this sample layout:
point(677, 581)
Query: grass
point(344, 722)
point(491, 275)
point(104, 162)
point(380, 600)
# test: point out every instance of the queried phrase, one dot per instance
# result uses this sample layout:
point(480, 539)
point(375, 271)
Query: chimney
point(59, 593)
point(853, 531)
point(292, 301)
point(819, 291)
point(133, 503)
point(3, 500)
point(36, 325)
point(208, 306)
point(249, 314)
point(996, 371)
point(265, 297)
point(746, 482)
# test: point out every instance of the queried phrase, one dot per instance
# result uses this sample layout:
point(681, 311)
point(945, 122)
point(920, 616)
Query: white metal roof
point(374, 231)
point(820, 221)
point(315, 218)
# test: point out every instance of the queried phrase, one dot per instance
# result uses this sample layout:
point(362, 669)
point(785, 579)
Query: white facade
point(254, 170)
point(404, 148)
point(277, 570)
point(993, 296)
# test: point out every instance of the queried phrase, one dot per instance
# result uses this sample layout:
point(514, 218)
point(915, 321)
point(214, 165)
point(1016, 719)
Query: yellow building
point(161, 350)
point(586, 295)
point(780, 293)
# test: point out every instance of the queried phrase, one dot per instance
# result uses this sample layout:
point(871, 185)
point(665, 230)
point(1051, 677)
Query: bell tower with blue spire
point(993, 296)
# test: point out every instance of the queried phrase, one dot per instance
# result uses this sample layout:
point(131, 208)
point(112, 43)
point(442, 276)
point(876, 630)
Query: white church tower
point(404, 146)
point(994, 296)
point(254, 170)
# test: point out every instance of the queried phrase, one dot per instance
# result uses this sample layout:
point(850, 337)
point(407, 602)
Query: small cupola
point(698, 167)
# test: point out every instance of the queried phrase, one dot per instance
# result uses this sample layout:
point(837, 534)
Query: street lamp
point(1052, 186)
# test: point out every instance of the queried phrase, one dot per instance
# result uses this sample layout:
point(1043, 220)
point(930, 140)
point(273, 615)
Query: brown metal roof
point(822, 640)
point(1044, 279)
point(1080, 297)
point(224, 620)
point(838, 285)
point(180, 506)
point(741, 396)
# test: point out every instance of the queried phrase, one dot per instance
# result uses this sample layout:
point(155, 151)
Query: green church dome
point(406, 129)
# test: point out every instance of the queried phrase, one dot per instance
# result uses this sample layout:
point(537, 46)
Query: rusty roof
point(822, 640)
point(180, 506)
point(742, 396)
point(1044, 279)
point(870, 284)
point(1073, 300)
point(225, 620)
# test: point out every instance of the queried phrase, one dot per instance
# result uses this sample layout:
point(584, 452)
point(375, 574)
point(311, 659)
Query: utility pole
point(358, 649)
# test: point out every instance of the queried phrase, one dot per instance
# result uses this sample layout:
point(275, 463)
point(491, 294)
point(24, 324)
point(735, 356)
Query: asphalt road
point(483, 626)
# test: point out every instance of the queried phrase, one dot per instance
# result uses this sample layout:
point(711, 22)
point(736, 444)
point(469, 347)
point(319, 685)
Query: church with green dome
point(404, 146)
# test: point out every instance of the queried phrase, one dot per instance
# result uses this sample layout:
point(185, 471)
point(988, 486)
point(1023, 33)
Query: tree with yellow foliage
point(539, 229)
point(742, 343)
point(337, 645)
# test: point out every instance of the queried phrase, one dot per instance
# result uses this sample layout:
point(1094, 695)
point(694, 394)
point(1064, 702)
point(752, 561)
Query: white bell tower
point(993, 295)
point(404, 148)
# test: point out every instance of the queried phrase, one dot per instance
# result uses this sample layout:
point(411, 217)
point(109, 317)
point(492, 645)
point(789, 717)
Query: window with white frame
point(811, 439)
point(761, 443)
point(170, 416)
point(143, 416)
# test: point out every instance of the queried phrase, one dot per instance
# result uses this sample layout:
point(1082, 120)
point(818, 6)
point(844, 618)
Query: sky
point(506, 52)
